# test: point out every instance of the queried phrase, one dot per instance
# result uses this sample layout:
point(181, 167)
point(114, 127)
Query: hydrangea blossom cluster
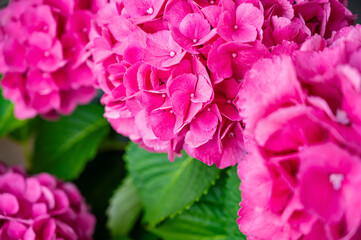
point(41, 207)
point(303, 136)
point(44, 57)
point(171, 70)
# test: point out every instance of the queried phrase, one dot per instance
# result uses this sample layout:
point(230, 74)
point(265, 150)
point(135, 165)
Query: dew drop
point(234, 55)
point(336, 179)
point(150, 11)
point(172, 53)
point(235, 27)
point(341, 117)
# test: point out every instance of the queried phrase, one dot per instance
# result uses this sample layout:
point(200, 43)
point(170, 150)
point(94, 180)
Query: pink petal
point(9, 204)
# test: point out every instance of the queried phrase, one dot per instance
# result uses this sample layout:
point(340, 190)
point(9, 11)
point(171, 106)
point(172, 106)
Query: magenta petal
point(233, 147)
point(66, 231)
point(33, 190)
point(203, 127)
point(317, 194)
point(162, 51)
point(38, 210)
point(29, 234)
point(203, 91)
point(194, 26)
point(162, 123)
point(247, 14)
point(14, 56)
point(220, 62)
point(15, 230)
point(180, 103)
point(9, 204)
point(61, 201)
point(49, 229)
point(245, 33)
point(12, 183)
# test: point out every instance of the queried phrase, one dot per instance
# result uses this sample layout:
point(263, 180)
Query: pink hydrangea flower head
point(44, 60)
point(171, 69)
point(41, 207)
point(304, 137)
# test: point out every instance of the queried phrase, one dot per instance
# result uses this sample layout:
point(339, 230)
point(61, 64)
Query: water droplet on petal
point(211, 2)
point(150, 11)
point(336, 179)
point(229, 101)
point(172, 53)
point(163, 95)
point(234, 55)
point(341, 117)
point(235, 27)
point(195, 40)
point(231, 134)
point(45, 28)
point(192, 95)
point(85, 30)
point(46, 53)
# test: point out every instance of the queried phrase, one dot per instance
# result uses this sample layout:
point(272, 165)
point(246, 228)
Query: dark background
point(355, 7)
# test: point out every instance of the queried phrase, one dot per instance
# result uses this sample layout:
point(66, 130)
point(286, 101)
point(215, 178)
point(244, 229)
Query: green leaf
point(231, 200)
point(205, 220)
point(64, 147)
point(124, 209)
point(8, 122)
point(26, 131)
point(167, 188)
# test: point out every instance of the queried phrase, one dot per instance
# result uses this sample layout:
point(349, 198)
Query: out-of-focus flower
point(41, 207)
point(302, 119)
point(44, 57)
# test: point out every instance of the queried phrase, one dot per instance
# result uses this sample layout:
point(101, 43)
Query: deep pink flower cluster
point(303, 130)
point(171, 70)
point(41, 207)
point(44, 57)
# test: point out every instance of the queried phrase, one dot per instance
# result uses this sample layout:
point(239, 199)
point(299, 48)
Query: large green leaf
point(231, 200)
point(7, 120)
point(64, 147)
point(167, 188)
point(124, 209)
point(214, 217)
point(205, 220)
